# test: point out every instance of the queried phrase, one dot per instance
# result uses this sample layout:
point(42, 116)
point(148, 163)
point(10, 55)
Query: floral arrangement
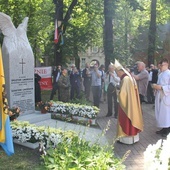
point(26, 132)
point(157, 156)
point(44, 105)
point(14, 112)
point(75, 109)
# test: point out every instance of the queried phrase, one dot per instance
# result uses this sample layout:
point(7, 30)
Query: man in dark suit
point(111, 91)
point(75, 83)
point(55, 74)
point(153, 77)
point(87, 80)
point(37, 78)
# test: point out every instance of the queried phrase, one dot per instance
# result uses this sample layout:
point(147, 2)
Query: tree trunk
point(76, 56)
point(152, 33)
point(108, 32)
point(59, 17)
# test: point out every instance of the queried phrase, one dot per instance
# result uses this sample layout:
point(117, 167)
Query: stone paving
point(135, 159)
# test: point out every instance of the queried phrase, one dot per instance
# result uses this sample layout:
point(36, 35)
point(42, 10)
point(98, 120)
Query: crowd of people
point(123, 88)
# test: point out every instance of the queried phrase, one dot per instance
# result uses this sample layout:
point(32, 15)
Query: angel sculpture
point(15, 39)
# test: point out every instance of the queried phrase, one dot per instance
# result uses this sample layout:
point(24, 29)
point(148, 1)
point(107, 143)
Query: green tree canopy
point(85, 27)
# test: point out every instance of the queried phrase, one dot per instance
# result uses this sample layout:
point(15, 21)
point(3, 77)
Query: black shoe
point(164, 135)
point(115, 116)
point(169, 130)
point(160, 131)
point(108, 115)
point(149, 102)
point(165, 132)
point(118, 141)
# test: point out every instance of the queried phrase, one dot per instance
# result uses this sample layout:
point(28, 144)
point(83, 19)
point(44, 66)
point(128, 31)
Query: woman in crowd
point(64, 86)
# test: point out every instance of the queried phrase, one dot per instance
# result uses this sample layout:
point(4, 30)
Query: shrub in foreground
point(79, 154)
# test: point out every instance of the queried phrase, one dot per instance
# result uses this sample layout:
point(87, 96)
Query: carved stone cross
point(22, 65)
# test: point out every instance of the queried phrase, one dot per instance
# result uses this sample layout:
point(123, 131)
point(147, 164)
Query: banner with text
point(46, 79)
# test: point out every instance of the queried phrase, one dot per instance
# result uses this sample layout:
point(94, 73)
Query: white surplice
point(162, 100)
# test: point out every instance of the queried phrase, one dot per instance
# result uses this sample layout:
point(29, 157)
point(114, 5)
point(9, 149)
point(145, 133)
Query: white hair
point(141, 63)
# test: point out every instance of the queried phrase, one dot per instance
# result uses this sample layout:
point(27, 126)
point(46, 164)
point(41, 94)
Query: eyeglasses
point(163, 65)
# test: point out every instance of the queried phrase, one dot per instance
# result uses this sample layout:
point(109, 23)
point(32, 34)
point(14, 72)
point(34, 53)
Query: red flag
point(56, 36)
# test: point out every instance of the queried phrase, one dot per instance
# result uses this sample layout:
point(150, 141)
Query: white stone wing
point(6, 25)
point(23, 25)
point(21, 31)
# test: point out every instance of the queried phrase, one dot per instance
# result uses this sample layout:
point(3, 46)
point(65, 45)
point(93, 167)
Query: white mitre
point(118, 66)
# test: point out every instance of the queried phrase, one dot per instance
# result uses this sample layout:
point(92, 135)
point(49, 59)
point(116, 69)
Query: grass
point(45, 95)
point(23, 159)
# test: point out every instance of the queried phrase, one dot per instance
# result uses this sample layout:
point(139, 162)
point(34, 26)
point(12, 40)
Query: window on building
point(72, 61)
point(95, 49)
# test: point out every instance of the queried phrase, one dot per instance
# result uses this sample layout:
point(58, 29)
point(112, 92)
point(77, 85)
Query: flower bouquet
point(14, 112)
point(44, 106)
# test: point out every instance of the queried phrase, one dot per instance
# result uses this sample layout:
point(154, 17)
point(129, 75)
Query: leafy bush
point(79, 154)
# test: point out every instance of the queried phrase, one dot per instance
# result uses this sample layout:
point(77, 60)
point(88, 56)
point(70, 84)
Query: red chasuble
point(130, 121)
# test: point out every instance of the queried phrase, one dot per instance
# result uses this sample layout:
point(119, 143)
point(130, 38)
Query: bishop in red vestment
point(130, 120)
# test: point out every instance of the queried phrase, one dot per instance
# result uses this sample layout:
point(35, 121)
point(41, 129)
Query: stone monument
point(18, 61)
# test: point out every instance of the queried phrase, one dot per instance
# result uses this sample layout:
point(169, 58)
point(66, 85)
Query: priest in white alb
point(162, 99)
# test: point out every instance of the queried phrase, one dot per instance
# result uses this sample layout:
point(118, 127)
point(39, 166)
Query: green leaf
point(51, 160)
